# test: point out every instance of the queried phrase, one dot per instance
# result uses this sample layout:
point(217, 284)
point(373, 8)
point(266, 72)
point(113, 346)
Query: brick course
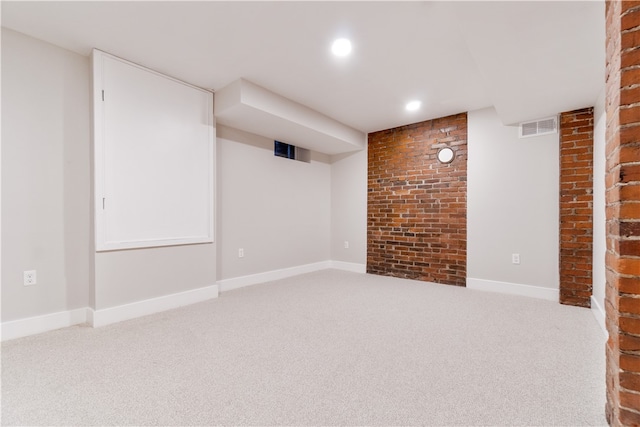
point(622, 304)
point(576, 207)
point(416, 206)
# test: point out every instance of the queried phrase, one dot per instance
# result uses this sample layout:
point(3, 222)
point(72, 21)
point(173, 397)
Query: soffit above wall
point(251, 108)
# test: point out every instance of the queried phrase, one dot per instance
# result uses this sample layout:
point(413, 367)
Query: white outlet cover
point(30, 278)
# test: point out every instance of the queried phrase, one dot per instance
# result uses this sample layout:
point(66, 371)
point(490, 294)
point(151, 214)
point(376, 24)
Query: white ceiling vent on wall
point(539, 127)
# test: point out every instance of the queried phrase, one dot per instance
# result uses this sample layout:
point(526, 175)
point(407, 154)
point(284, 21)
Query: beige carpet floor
point(325, 348)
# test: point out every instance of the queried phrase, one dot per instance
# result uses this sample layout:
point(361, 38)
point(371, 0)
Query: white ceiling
point(528, 59)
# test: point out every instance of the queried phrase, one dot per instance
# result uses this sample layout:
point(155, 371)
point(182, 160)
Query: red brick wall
point(576, 207)
point(417, 207)
point(622, 303)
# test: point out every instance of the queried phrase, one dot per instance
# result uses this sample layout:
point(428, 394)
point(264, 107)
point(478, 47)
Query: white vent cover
point(539, 127)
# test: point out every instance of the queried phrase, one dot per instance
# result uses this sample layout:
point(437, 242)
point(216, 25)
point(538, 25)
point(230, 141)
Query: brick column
point(576, 207)
point(623, 212)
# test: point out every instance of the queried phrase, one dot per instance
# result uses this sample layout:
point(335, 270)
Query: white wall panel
point(513, 203)
point(154, 148)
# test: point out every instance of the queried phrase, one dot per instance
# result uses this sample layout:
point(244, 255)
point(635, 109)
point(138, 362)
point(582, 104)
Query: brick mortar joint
point(628, 352)
point(629, 11)
point(625, 239)
point(628, 125)
point(631, 163)
point(630, 30)
point(631, 316)
point(635, 411)
point(625, 52)
point(626, 276)
point(618, 204)
point(632, 85)
point(626, 389)
point(614, 253)
point(629, 257)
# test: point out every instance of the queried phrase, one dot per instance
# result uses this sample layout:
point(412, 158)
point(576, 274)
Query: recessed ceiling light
point(413, 105)
point(341, 47)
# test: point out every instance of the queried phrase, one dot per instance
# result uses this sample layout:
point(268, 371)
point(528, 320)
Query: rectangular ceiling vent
point(539, 127)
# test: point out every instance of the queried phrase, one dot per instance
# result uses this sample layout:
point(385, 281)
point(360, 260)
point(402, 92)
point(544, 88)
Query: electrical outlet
point(515, 258)
point(30, 277)
point(240, 253)
point(346, 244)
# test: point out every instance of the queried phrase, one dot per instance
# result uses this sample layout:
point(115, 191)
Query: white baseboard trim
point(513, 289)
point(119, 313)
point(599, 314)
point(348, 266)
point(96, 318)
point(268, 276)
point(45, 323)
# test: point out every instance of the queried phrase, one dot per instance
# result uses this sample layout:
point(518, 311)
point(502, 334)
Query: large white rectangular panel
point(154, 147)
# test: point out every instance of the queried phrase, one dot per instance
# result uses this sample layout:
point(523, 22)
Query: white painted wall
point(45, 177)
point(46, 194)
point(123, 277)
point(513, 204)
point(278, 210)
point(283, 213)
point(128, 276)
point(599, 218)
point(349, 208)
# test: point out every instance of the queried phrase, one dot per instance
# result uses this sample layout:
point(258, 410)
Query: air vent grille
point(539, 127)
